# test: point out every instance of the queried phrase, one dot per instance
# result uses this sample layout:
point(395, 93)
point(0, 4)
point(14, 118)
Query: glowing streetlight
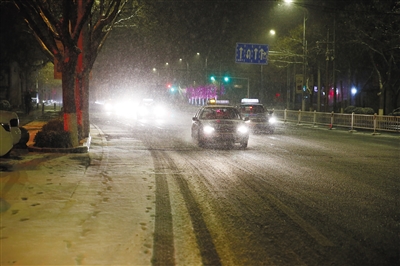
point(205, 64)
point(353, 93)
point(304, 52)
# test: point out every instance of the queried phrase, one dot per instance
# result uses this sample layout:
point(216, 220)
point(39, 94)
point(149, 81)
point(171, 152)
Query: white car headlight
point(243, 129)
point(159, 111)
point(272, 120)
point(108, 106)
point(208, 129)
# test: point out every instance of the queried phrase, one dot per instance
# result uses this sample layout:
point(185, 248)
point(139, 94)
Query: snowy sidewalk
point(71, 209)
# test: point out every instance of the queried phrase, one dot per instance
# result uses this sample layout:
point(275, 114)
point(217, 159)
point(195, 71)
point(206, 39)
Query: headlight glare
point(272, 120)
point(243, 129)
point(108, 106)
point(159, 111)
point(208, 129)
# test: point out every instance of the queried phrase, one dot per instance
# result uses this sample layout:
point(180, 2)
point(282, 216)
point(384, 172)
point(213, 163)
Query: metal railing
point(351, 121)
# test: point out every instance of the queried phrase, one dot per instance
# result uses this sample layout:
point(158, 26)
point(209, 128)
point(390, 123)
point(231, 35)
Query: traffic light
point(171, 88)
point(220, 79)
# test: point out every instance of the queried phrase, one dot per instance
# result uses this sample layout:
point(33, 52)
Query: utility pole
point(319, 87)
point(305, 80)
point(329, 56)
point(327, 85)
point(334, 66)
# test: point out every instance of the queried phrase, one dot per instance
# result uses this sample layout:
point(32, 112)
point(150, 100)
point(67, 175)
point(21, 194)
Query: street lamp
point(304, 44)
point(353, 93)
point(263, 93)
point(205, 66)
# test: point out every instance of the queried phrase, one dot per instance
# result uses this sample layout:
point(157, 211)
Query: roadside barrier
point(351, 121)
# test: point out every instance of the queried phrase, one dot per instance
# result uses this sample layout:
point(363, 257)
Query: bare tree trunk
point(87, 66)
point(85, 105)
point(82, 84)
point(68, 88)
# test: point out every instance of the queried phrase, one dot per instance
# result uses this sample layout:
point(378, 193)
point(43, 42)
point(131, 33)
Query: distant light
point(288, 1)
point(154, 69)
point(353, 91)
point(247, 100)
point(272, 32)
point(198, 53)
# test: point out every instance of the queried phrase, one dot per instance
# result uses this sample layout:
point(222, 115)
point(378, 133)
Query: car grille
point(259, 120)
point(225, 128)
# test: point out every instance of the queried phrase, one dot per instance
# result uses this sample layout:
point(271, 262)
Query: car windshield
point(219, 113)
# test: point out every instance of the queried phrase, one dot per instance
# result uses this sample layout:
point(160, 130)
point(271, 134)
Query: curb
point(81, 149)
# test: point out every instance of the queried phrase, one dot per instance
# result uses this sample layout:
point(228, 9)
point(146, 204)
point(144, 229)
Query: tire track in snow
point(163, 250)
point(204, 240)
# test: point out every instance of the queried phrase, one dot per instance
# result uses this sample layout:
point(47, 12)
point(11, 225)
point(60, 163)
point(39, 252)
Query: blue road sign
point(251, 53)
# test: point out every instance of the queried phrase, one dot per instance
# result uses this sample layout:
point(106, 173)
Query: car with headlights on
point(150, 108)
point(219, 124)
point(260, 119)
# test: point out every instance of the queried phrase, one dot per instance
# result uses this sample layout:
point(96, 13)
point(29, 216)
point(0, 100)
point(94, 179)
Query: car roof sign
point(247, 100)
point(221, 102)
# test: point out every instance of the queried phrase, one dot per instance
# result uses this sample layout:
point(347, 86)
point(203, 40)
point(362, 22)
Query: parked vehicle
point(395, 112)
point(6, 139)
point(11, 118)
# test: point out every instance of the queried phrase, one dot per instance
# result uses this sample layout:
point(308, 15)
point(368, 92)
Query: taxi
point(219, 123)
point(261, 120)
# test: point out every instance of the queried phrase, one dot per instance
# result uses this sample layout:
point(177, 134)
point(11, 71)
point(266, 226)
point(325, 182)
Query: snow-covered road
point(145, 194)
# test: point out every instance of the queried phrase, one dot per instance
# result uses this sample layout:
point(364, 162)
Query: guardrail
point(351, 121)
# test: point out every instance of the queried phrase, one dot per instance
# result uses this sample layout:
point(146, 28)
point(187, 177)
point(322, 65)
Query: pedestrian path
point(64, 208)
